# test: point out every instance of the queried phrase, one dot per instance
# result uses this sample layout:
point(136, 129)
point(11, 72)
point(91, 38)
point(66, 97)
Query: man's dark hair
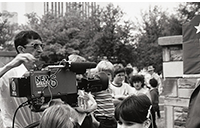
point(153, 82)
point(128, 70)
point(21, 39)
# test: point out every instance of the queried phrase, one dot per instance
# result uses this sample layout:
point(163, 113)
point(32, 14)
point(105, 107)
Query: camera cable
point(22, 105)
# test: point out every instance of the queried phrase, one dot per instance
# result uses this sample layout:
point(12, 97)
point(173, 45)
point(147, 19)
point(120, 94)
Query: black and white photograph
point(99, 64)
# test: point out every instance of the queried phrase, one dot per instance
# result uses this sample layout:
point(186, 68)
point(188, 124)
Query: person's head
point(135, 70)
point(107, 67)
point(153, 82)
point(76, 58)
point(133, 112)
point(59, 116)
point(119, 74)
point(28, 42)
point(129, 71)
point(150, 69)
point(137, 81)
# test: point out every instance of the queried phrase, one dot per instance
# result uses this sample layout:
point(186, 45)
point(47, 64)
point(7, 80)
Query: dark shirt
point(155, 98)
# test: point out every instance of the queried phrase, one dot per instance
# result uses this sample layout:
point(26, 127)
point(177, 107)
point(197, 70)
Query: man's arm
point(18, 60)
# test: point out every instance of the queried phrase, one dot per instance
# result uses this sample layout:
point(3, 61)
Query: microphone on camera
point(80, 67)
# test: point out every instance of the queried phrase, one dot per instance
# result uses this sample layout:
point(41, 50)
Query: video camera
point(58, 81)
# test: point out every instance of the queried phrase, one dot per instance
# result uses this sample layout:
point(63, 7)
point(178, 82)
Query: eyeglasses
point(35, 45)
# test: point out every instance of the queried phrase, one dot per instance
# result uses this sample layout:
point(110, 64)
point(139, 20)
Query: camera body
point(44, 83)
point(96, 83)
point(58, 81)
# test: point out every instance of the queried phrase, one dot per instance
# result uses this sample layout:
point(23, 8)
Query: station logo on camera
point(46, 81)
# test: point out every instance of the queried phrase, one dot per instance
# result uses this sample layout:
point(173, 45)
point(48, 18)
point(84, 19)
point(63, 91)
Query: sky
point(133, 9)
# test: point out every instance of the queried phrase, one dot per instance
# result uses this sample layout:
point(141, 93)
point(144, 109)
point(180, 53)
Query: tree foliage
point(97, 36)
point(155, 23)
point(188, 10)
point(104, 33)
point(59, 33)
point(112, 36)
point(7, 31)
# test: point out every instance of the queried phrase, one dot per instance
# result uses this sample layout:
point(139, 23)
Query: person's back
point(105, 106)
point(104, 103)
point(154, 93)
point(105, 109)
point(155, 100)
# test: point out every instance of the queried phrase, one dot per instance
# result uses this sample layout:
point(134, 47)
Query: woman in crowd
point(138, 86)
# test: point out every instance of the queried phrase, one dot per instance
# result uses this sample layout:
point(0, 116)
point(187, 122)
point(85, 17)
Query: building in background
point(19, 9)
point(22, 8)
point(85, 9)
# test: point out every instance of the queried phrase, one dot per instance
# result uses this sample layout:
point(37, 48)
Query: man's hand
point(21, 58)
point(86, 102)
point(18, 60)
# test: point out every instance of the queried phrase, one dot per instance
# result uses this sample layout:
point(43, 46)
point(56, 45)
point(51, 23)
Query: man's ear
point(20, 49)
point(146, 123)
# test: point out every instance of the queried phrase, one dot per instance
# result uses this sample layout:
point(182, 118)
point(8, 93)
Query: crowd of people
point(129, 99)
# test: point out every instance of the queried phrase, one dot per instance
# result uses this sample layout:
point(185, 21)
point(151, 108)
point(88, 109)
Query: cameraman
point(25, 42)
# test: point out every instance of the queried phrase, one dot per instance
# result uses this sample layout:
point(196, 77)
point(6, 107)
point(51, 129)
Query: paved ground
point(161, 121)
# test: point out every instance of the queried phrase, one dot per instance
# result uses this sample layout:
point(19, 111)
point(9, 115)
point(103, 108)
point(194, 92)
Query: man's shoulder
point(17, 71)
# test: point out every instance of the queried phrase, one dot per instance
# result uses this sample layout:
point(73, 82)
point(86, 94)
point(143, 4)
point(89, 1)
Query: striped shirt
point(105, 105)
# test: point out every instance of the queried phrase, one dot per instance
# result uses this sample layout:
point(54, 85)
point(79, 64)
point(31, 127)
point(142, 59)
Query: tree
point(111, 36)
point(155, 23)
point(99, 35)
point(59, 33)
point(188, 10)
point(7, 31)
point(148, 50)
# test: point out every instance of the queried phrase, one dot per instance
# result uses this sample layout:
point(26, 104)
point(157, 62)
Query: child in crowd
point(118, 86)
point(104, 113)
point(59, 116)
point(155, 99)
point(134, 112)
point(138, 86)
point(107, 67)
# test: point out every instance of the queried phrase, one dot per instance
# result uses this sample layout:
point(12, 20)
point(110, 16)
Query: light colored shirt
point(8, 104)
point(143, 90)
point(118, 91)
